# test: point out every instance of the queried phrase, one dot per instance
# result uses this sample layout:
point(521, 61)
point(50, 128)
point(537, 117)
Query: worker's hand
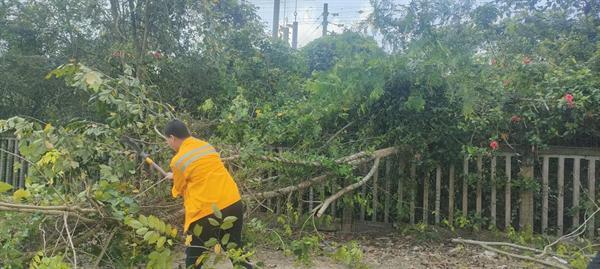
point(169, 175)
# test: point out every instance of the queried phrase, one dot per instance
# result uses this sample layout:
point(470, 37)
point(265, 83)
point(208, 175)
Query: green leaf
point(200, 259)
point(231, 219)
point(154, 237)
point(147, 235)
point(213, 222)
point(211, 242)
point(216, 211)
point(231, 245)
point(154, 222)
point(161, 242)
point(142, 231)
point(143, 219)
point(226, 225)
point(21, 194)
point(135, 224)
point(225, 239)
point(198, 230)
point(4, 187)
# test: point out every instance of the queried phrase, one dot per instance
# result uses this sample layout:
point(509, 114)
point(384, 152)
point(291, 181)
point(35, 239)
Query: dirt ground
point(403, 252)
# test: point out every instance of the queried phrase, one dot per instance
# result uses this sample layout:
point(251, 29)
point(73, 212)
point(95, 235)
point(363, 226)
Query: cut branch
point(286, 190)
point(347, 189)
point(487, 246)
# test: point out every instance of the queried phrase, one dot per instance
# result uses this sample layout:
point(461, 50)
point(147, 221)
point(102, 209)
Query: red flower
point(527, 60)
point(156, 54)
point(515, 119)
point(494, 145)
point(569, 99)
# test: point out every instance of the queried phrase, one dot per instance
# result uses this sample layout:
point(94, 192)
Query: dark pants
point(209, 231)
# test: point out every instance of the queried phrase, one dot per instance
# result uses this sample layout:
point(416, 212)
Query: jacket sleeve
point(179, 182)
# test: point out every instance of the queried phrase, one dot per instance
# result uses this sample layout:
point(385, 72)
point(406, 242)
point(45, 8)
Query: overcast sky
point(309, 15)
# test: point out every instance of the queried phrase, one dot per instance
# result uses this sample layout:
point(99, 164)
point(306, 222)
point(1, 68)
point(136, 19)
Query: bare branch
point(286, 190)
point(347, 189)
point(522, 257)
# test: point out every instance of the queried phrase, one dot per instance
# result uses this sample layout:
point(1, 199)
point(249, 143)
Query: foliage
point(350, 254)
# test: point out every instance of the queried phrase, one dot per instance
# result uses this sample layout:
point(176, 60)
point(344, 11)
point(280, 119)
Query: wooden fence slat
point(363, 192)
point(2, 160)
point(465, 187)
point(333, 204)
point(375, 195)
point(576, 190)
point(22, 174)
point(300, 201)
point(16, 173)
point(545, 188)
point(479, 185)
point(507, 189)
point(10, 163)
point(493, 194)
point(438, 192)
point(401, 176)
point(311, 198)
point(426, 198)
point(451, 195)
point(561, 195)
point(387, 191)
point(413, 192)
point(591, 193)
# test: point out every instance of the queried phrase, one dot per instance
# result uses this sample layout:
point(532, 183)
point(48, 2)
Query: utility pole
point(276, 19)
point(295, 28)
point(325, 22)
point(295, 35)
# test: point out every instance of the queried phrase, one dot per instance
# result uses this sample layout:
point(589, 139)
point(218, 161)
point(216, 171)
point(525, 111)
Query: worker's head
point(176, 132)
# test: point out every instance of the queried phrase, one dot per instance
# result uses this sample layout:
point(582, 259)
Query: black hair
point(177, 129)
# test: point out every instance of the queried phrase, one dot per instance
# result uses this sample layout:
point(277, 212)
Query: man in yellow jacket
point(200, 177)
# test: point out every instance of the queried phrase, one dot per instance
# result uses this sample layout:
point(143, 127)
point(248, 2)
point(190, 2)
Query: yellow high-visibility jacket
point(201, 178)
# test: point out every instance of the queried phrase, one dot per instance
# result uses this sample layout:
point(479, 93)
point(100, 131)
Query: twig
point(580, 230)
point(337, 133)
point(152, 186)
point(527, 258)
point(321, 208)
point(106, 244)
point(159, 133)
point(65, 216)
point(47, 212)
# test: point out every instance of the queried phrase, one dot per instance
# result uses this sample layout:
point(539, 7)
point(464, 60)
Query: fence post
point(561, 194)
point(388, 174)
point(493, 194)
point(576, 190)
point(426, 198)
point(375, 195)
point(591, 192)
point(2, 160)
point(465, 187)
point(401, 176)
point(526, 206)
point(413, 192)
point(451, 195)
point(545, 170)
point(438, 192)
point(479, 186)
point(507, 189)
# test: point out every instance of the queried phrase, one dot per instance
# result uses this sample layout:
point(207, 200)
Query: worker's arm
point(178, 182)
